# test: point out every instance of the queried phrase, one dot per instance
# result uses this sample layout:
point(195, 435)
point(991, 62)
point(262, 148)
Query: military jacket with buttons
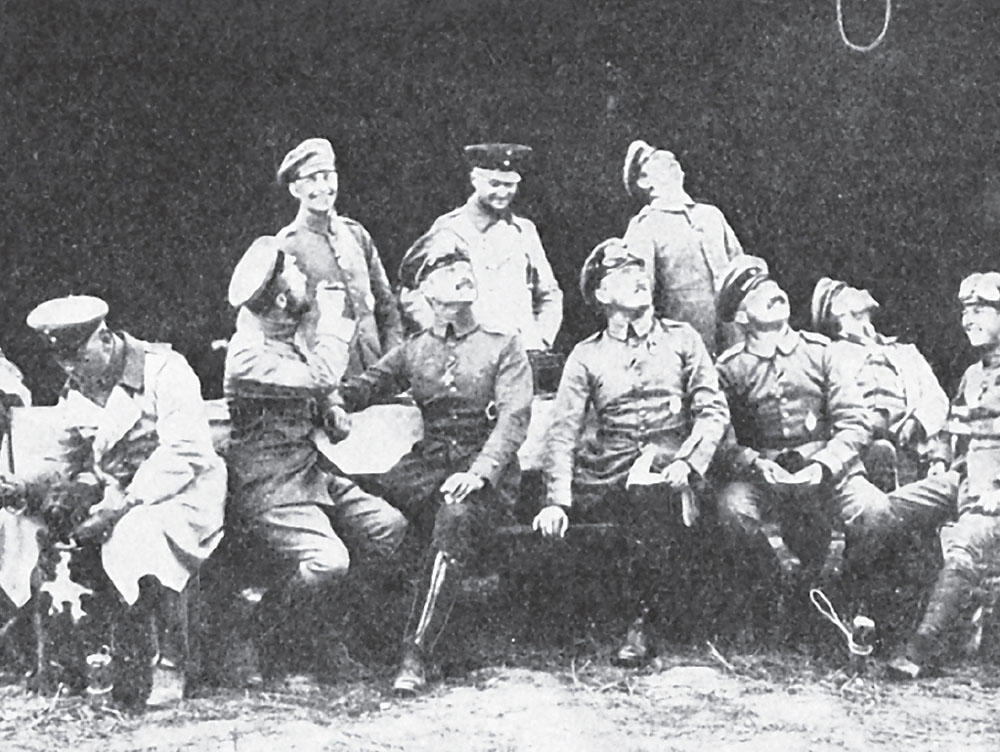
point(793, 398)
point(517, 290)
point(972, 436)
point(340, 251)
point(655, 387)
point(473, 387)
point(686, 246)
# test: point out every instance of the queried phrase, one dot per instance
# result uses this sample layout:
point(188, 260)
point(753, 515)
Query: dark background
point(141, 140)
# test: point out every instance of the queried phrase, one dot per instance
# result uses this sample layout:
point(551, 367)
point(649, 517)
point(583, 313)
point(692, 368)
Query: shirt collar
point(682, 203)
point(482, 218)
point(784, 343)
point(878, 339)
point(317, 223)
point(622, 330)
point(463, 325)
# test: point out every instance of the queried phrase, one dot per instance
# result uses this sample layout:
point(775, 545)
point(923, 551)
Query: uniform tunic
point(152, 437)
point(793, 399)
point(340, 251)
point(473, 387)
point(517, 291)
point(966, 499)
point(896, 382)
point(650, 385)
point(686, 246)
point(278, 391)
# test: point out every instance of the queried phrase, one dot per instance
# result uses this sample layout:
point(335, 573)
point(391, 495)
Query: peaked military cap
point(980, 288)
point(503, 158)
point(832, 298)
point(637, 155)
point(607, 255)
point(742, 275)
point(66, 323)
point(311, 156)
point(261, 263)
point(435, 249)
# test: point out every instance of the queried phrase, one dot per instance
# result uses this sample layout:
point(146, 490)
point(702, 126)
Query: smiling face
point(316, 192)
point(661, 174)
point(981, 323)
point(494, 189)
point(626, 287)
point(765, 308)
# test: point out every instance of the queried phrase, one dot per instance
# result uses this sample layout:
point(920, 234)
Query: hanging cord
point(878, 39)
point(823, 605)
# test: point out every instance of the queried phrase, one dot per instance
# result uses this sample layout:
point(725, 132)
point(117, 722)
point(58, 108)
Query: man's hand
point(810, 475)
point(460, 485)
point(772, 472)
point(104, 516)
point(338, 423)
point(677, 475)
point(551, 522)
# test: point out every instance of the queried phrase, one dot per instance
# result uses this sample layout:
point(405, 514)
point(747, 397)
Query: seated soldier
point(906, 404)
point(655, 392)
point(284, 493)
point(962, 490)
point(799, 426)
point(473, 387)
point(165, 487)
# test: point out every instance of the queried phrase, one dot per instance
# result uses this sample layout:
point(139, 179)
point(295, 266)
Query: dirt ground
point(696, 701)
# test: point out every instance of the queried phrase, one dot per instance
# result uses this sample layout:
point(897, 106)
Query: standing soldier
point(473, 386)
point(686, 245)
point(280, 390)
point(799, 427)
point(337, 251)
point(165, 487)
point(906, 404)
point(517, 290)
point(962, 490)
point(656, 395)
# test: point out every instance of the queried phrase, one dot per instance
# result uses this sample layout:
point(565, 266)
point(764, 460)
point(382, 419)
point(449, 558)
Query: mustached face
point(88, 361)
point(455, 283)
point(316, 192)
point(628, 287)
point(766, 306)
point(662, 174)
point(981, 324)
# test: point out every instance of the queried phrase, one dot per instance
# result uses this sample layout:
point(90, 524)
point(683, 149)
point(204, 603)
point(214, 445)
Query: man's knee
point(387, 531)
point(326, 561)
point(737, 507)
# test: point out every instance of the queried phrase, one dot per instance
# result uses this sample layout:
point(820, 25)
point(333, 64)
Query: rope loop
point(878, 40)
point(823, 605)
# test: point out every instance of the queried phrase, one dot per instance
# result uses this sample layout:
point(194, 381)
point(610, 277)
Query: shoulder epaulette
point(731, 352)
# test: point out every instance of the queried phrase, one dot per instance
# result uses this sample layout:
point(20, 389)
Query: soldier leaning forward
point(799, 427)
point(164, 486)
point(656, 396)
point(279, 389)
point(963, 496)
point(473, 387)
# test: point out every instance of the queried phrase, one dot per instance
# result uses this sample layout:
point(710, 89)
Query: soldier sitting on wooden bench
point(656, 397)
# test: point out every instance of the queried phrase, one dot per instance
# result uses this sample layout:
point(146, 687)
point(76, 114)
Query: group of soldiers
point(696, 401)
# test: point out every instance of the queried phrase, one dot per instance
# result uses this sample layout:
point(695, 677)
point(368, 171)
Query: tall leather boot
point(170, 627)
point(924, 649)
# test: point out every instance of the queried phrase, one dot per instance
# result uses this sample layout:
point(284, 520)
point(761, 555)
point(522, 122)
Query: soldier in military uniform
point(517, 290)
point(799, 427)
point(962, 490)
point(280, 390)
point(473, 386)
point(164, 485)
point(906, 404)
point(686, 244)
point(655, 395)
point(336, 251)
